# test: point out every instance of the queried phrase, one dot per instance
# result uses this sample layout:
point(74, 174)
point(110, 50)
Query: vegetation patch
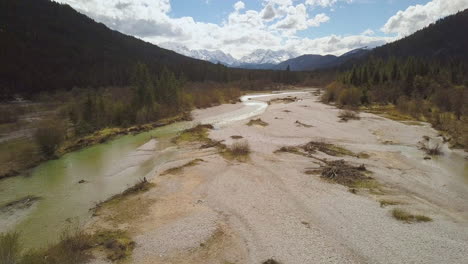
point(388, 111)
point(74, 247)
point(347, 115)
point(285, 100)
point(257, 122)
point(290, 149)
point(140, 187)
point(300, 124)
point(19, 204)
point(116, 244)
point(363, 155)
point(26, 155)
point(237, 151)
point(271, 261)
point(432, 150)
point(179, 169)
point(195, 134)
point(402, 215)
point(329, 149)
point(386, 202)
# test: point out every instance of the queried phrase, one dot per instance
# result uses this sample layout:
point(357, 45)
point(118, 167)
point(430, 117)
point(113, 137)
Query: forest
point(39, 37)
point(424, 75)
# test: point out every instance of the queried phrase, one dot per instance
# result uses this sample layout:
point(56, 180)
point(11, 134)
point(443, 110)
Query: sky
point(240, 27)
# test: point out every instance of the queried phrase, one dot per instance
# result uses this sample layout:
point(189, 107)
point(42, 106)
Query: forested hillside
point(47, 46)
point(424, 75)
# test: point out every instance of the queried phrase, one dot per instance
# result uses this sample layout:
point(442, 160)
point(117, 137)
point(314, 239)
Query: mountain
point(262, 56)
point(258, 59)
point(215, 56)
point(445, 39)
point(46, 46)
point(313, 62)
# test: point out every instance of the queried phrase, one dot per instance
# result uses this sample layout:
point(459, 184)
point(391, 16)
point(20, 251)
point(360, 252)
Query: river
point(105, 170)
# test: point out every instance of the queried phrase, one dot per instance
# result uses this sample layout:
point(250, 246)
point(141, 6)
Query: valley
point(244, 132)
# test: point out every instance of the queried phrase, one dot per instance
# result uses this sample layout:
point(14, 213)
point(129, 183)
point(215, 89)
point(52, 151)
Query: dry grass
point(26, 154)
point(329, 149)
point(432, 150)
point(257, 122)
point(300, 124)
point(347, 115)
point(141, 186)
point(402, 215)
point(271, 261)
point(74, 247)
point(9, 248)
point(285, 100)
point(116, 244)
point(237, 151)
point(179, 169)
point(197, 133)
point(290, 149)
point(240, 148)
point(385, 203)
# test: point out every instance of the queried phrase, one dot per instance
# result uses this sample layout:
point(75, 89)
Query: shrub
point(332, 92)
point(241, 148)
point(402, 215)
point(351, 96)
point(49, 135)
point(348, 115)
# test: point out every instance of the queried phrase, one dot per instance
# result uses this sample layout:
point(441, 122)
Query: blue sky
point(346, 18)
point(240, 27)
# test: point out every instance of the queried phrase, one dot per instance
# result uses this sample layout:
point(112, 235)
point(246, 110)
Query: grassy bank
point(451, 121)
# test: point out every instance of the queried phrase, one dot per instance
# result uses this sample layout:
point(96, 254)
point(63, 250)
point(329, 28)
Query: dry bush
point(347, 115)
point(402, 215)
point(240, 148)
point(49, 135)
point(332, 92)
point(350, 96)
point(343, 173)
point(326, 148)
point(432, 150)
point(258, 122)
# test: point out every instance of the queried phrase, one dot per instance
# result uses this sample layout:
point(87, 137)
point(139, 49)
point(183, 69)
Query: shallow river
point(107, 169)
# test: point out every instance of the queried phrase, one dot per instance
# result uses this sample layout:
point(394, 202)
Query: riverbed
point(67, 188)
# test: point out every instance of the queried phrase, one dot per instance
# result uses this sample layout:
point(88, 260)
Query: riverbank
point(206, 208)
point(35, 158)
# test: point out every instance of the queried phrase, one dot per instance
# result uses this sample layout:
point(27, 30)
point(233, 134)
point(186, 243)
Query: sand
point(224, 211)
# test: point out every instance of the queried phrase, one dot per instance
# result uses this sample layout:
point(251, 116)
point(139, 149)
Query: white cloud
point(325, 3)
point(368, 32)
point(274, 26)
point(239, 5)
point(418, 16)
point(334, 44)
point(298, 19)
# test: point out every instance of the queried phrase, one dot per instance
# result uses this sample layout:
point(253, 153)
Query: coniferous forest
point(424, 75)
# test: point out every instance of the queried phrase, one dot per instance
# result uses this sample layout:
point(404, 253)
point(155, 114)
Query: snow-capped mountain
point(215, 56)
point(262, 56)
point(256, 58)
